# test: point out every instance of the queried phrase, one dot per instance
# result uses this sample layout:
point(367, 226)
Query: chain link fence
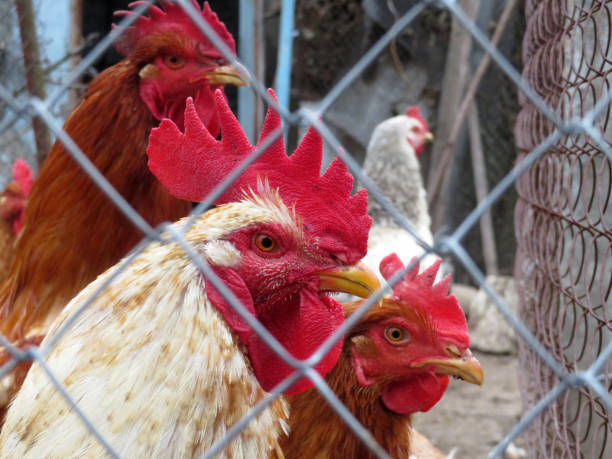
point(563, 222)
point(564, 225)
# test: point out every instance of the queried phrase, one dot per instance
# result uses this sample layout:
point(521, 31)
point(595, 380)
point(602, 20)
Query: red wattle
point(301, 329)
point(418, 393)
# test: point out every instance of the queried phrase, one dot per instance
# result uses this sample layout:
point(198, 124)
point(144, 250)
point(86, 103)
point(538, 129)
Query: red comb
point(414, 112)
point(22, 174)
point(169, 18)
point(190, 165)
point(419, 289)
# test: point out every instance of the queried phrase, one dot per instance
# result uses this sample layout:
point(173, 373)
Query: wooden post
point(455, 76)
point(489, 249)
point(75, 42)
point(34, 72)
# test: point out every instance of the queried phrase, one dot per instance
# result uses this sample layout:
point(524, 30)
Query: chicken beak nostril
point(339, 259)
point(453, 350)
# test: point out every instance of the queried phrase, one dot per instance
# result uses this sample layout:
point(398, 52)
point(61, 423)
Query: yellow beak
point(464, 366)
point(429, 137)
point(357, 280)
point(227, 74)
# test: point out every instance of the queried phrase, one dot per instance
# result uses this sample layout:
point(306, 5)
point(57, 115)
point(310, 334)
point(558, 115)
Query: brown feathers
point(330, 436)
point(72, 231)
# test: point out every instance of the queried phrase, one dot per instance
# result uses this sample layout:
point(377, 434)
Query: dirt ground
point(474, 419)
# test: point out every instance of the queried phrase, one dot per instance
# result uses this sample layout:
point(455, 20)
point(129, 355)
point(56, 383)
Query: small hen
point(396, 361)
point(160, 362)
point(391, 163)
point(72, 231)
point(12, 211)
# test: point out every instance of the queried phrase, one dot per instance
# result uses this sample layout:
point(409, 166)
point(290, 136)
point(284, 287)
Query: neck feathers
point(315, 426)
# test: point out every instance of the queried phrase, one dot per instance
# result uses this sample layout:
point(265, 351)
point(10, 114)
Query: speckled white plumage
point(151, 362)
point(392, 164)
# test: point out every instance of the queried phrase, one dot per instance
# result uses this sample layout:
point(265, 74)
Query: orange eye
point(265, 243)
point(396, 335)
point(174, 62)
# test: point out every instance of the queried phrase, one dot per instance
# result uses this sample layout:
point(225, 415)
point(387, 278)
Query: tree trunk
point(34, 73)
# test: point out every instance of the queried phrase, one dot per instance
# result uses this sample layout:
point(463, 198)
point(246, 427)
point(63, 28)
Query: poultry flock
point(71, 228)
point(281, 238)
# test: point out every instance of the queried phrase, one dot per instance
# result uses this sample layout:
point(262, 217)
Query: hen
point(12, 211)
point(160, 362)
point(391, 162)
point(72, 231)
point(396, 361)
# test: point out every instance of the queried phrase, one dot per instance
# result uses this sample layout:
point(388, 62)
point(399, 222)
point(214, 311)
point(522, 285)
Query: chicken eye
point(174, 62)
point(265, 243)
point(396, 335)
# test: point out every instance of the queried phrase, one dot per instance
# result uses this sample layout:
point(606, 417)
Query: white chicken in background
point(391, 163)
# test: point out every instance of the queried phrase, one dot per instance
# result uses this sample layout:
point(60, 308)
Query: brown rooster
point(160, 362)
point(72, 231)
point(394, 362)
point(12, 212)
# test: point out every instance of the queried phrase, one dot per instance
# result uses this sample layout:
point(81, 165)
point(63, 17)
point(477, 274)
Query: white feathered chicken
point(391, 162)
point(160, 362)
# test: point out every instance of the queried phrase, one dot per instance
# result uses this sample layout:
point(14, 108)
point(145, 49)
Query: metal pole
point(285, 45)
point(246, 97)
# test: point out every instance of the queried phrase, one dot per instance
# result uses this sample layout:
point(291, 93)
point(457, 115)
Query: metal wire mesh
point(563, 222)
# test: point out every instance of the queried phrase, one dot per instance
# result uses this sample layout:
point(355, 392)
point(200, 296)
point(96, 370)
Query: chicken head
point(178, 61)
point(412, 344)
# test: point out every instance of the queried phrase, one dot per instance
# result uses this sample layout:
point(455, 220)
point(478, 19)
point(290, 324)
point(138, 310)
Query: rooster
point(12, 211)
point(160, 362)
point(391, 163)
point(396, 361)
point(72, 231)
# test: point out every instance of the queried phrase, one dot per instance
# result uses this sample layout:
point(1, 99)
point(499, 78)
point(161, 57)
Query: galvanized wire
point(562, 136)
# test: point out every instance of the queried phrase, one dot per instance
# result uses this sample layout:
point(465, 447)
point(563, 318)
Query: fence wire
point(563, 224)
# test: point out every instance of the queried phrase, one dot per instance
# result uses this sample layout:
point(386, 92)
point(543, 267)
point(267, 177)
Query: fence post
point(34, 73)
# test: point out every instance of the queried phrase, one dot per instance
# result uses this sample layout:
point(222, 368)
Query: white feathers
point(392, 164)
point(151, 362)
point(222, 253)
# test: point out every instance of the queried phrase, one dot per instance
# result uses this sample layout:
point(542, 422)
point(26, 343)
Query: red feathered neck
point(170, 18)
point(419, 291)
point(191, 164)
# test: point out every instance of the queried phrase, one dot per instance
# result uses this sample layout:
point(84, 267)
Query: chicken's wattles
point(72, 231)
point(161, 362)
point(396, 361)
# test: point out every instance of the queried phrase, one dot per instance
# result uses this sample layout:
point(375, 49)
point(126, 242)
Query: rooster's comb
point(22, 174)
point(170, 17)
point(190, 165)
point(419, 290)
point(414, 112)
